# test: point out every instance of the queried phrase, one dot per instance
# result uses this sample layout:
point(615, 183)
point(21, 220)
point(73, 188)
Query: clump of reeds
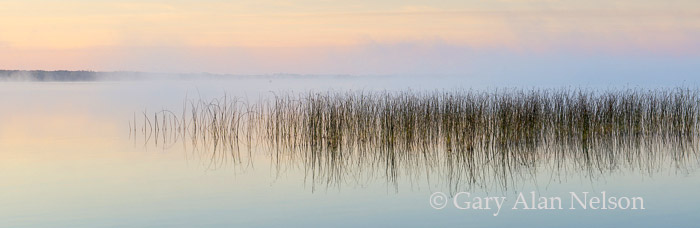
point(465, 120)
point(461, 130)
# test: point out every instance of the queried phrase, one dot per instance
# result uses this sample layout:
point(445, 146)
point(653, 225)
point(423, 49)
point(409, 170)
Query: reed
point(471, 135)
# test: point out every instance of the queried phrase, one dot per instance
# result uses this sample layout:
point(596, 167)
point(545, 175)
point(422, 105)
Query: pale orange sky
point(97, 35)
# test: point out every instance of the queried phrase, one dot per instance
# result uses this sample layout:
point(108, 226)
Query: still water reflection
point(70, 158)
point(457, 140)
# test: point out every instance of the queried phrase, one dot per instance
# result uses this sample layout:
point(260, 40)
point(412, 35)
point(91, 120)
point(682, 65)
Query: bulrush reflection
point(458, 139)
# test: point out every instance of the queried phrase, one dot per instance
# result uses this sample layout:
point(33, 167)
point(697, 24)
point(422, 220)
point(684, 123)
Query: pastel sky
point(343, 37)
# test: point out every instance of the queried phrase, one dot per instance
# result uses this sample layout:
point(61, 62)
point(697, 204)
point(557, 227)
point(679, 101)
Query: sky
point(463, 37)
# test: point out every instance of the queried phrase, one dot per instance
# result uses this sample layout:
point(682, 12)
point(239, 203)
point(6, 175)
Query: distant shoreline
point(86, 75)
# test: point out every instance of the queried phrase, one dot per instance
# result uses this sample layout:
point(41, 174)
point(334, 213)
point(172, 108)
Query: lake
point(77, 154)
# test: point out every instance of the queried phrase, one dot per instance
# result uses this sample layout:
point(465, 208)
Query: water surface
point(69, 159)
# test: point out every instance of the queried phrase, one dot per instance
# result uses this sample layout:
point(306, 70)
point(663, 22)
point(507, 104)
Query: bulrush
point(467, 131)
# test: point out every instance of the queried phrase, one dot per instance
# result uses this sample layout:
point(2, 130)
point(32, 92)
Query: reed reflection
point(449, 139)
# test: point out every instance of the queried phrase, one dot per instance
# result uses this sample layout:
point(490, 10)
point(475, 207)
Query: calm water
point(69, 159)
